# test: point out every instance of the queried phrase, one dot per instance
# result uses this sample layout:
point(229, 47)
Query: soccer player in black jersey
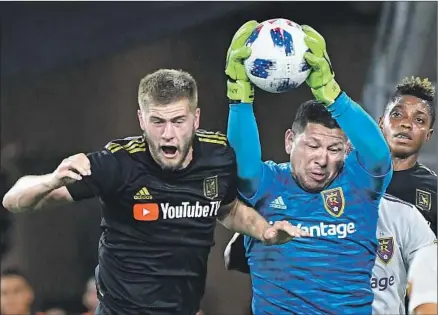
point(161, 194)
point(407, 124)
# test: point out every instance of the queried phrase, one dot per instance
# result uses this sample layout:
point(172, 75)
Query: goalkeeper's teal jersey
point(328, 273)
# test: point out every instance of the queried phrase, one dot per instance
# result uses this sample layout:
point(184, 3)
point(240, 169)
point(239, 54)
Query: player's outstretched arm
point(31, 193)
point(363, 132)
point(242, 129)
point(240, 218)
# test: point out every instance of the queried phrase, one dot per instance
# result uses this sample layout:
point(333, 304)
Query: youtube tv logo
point(146, 212)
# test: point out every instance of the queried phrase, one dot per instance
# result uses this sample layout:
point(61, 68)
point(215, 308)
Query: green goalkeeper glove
point(322, 78)
point(239, 88)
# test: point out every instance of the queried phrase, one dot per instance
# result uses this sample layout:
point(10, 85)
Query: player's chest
point(410, 190)
point(151, 198)
point(330, 204)
point(389, 268)
point(336, 212)
point(389, 249)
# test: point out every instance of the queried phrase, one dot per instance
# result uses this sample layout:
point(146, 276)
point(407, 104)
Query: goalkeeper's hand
point(322, 78)
point(239, 88)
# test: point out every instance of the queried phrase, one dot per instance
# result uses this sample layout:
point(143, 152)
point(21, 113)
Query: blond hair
point(166, 86)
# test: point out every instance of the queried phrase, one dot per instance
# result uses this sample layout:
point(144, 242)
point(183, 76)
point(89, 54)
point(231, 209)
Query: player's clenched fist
point(70, 170)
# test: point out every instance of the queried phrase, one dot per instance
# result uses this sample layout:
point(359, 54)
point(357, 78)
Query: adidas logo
point(278, 203)
point(142, 194)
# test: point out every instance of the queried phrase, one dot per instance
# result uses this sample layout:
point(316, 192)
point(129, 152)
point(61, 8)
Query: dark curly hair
point(421, 88)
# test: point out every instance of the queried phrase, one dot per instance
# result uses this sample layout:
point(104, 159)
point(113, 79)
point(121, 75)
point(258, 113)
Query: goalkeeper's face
point(169, 131)
point(316, 155)
point(406, 125)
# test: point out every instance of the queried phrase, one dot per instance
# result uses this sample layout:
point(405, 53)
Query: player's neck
point(188, 159)
point(402, 164)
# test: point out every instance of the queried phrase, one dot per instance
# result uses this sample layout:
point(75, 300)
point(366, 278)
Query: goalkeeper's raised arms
point(322, 78)
point(239, 87)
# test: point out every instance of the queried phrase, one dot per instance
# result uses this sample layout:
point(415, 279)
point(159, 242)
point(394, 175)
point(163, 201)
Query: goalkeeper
point(322, 189)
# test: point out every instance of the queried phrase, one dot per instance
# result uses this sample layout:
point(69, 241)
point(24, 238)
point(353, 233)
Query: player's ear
point(30, 295)
point(288, 140)
point(381, 122)
point(140, 119)
point(429, 134)
point(197, 117)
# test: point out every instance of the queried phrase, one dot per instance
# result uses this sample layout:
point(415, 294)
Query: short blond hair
point(166, 86)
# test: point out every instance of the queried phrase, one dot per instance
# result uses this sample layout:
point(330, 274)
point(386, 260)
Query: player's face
point(316, 155)
point(169, 130)
point(406, 126)
point(16, 296)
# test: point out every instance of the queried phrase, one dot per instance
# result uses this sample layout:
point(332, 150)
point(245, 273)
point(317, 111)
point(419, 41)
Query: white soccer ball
point(277, 62)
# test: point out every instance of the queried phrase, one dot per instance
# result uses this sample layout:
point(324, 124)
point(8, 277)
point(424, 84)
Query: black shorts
point(185, 303)
point(103, 310)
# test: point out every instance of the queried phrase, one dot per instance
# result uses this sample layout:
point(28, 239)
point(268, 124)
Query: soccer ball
point(277, 62)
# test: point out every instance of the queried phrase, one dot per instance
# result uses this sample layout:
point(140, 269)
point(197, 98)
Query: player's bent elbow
point(380, 162)
point(386, 163)
point(11, 203)
point(7, 202)
point(383, 153)
point(382, 165)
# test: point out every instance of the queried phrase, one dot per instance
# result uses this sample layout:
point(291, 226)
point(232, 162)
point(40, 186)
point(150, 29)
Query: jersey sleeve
point(363, 179)
point(371, 158)
point(243, 135)
point(416, 235)
point(267, 178)
point(231, 193)
point(104, 180)
point(422, 278)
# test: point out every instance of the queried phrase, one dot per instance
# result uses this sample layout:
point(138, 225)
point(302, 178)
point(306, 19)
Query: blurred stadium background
point(69, 78)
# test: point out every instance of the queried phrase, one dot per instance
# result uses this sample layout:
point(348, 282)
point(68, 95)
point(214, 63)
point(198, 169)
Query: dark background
point(69, 79)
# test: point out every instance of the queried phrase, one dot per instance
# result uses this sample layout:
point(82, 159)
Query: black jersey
point(417, 185)
point(158, 226)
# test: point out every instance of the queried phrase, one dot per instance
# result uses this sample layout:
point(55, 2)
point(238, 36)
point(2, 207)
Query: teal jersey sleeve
point(243, 137)
point(371, 152)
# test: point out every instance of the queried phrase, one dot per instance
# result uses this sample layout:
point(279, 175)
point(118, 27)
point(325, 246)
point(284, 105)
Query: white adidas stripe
point(278, 203)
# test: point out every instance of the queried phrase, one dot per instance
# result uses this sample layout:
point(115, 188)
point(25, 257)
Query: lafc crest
point(423, 200)
point(334, 201)
point(385, 251)
point(211, 187)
